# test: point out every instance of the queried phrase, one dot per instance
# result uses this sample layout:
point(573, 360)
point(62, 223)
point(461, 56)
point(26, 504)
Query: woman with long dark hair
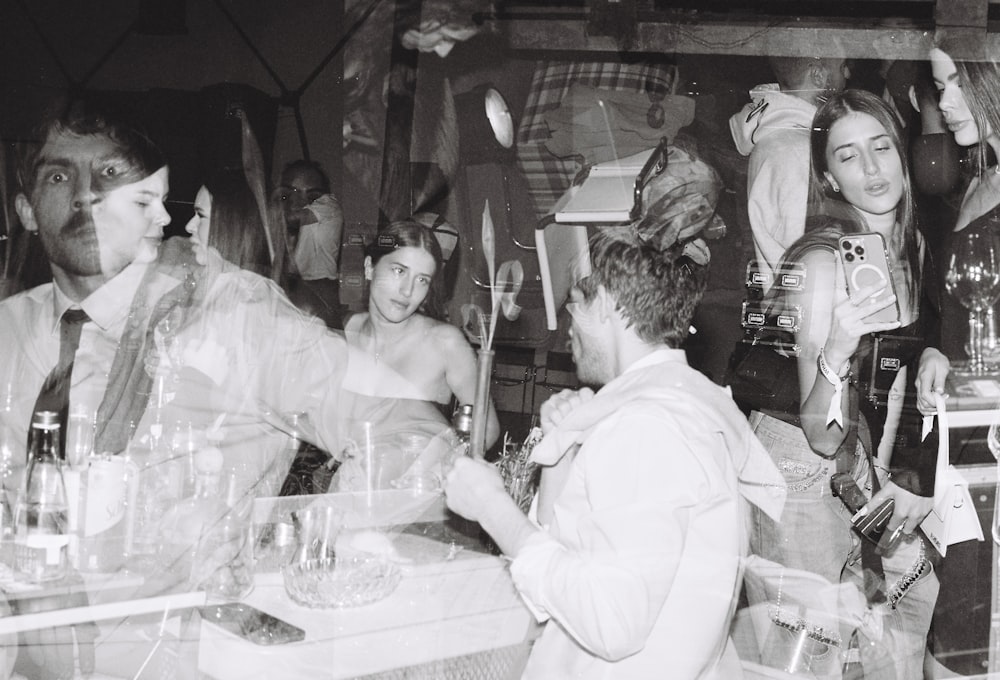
point(970, 105)
point(857, 416)
point(228, 218)
point(404, 327)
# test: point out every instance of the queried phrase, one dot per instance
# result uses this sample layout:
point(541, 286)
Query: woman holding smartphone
point(853, 364)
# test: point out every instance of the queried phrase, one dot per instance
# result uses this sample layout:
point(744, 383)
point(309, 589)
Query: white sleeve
point(318, 247)
point(778, 197)
point(640, 493)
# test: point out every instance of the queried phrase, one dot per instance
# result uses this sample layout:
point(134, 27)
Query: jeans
point(803, 578)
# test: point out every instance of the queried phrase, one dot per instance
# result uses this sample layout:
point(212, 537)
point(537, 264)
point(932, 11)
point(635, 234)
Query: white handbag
point(954, 518)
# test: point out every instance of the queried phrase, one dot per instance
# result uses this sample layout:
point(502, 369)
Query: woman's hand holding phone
point(851, 321)
point(866, 265)
point(909, 511)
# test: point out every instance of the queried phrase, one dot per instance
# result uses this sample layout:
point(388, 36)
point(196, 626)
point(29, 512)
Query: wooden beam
point(898, 33)
point(962, 13)
point(718, 37)
point(962, 26)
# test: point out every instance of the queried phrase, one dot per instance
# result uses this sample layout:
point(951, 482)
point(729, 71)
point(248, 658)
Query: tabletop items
point(42, 531)
point(973, 277)
point(164, 509)
point(206, 541)
point(340, 581)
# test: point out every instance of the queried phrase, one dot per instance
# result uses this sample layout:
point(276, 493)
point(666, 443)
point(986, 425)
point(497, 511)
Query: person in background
point(773, 130)
point(934, 161)
point(859, 427)
point(314, 219)
point(967, 100)
point(635, 559)
point(971, 110)
point(412, 353)
point(227, 218)
point(315, 225)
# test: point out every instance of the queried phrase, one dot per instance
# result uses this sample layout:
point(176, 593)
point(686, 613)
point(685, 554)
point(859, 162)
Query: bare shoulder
point(447, 335)
point(355, 321)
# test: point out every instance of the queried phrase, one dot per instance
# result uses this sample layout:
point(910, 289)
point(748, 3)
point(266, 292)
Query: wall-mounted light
point(485, 125)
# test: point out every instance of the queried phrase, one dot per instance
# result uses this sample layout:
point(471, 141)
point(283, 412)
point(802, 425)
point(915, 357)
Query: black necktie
point(54, 395)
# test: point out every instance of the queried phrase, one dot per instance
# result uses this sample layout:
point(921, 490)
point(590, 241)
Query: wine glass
point(973, 277)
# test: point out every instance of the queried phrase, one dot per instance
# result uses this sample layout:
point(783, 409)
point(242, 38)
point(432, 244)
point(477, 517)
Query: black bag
point(762, 379)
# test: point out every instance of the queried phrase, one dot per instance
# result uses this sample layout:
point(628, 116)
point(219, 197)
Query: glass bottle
point(7, 489)
point(185, 441)
point(42, 515)
point(10, 451)
point(184, 525)
point(159, 486)
point(305, 536)
point(101, 524)
point(461, 421)
point(223, 563)
point(276, 548)
point(205, 541)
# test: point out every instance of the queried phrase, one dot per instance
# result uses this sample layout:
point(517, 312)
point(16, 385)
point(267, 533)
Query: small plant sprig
point(510, 272)
point(520, 475)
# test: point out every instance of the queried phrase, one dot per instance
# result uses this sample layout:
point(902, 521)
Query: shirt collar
point(657, 356)
point(108, 304)
point(60, 303)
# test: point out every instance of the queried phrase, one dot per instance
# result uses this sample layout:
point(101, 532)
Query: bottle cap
point(46, 420)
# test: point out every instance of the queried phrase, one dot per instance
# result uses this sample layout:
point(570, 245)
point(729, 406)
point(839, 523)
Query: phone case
point(872, 525)
point(866, 262)
point(252, 624)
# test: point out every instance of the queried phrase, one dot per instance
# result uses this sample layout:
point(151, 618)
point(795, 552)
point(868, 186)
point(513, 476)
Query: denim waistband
point(804, 469)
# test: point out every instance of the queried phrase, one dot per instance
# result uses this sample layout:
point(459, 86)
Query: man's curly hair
point(656, 291)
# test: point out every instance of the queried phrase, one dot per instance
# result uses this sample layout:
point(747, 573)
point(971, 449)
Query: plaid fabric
point(548, 176)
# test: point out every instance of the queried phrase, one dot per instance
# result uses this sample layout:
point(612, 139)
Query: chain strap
point(797, 624)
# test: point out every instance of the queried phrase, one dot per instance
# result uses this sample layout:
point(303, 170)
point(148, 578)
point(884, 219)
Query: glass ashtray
point(340, 582)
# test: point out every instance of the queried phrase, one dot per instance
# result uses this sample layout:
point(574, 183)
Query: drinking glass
point(973, 277)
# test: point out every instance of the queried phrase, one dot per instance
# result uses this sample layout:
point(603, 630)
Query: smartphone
point(872, 525)
point(251, 623)
point(866, 263)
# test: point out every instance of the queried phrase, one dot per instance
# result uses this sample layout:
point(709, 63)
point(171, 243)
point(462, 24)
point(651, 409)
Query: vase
point(481, 405)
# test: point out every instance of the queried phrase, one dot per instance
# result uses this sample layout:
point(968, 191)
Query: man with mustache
point(166, 341)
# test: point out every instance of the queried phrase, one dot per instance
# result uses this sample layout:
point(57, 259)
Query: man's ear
point(606, 304)
point(369, 268)
point(25, 212)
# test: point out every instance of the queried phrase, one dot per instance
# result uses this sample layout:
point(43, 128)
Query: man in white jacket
point(773, 129)
point(635, 560)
